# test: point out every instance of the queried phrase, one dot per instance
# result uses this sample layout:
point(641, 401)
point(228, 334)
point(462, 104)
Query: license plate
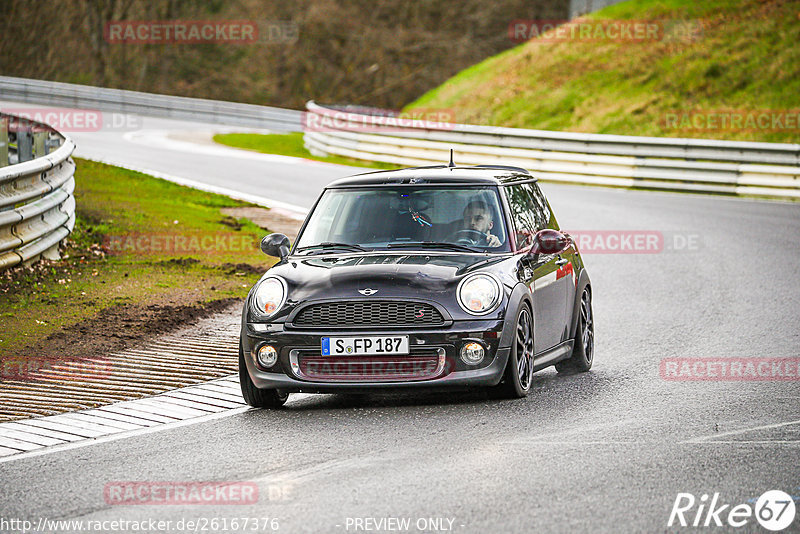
point(354, 346)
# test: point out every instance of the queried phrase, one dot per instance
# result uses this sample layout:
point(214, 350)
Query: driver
point(478, 217)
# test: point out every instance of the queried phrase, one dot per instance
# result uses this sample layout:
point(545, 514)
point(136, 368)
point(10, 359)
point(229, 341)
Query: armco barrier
point(37, 208)
point(122, 101)
point(698, 165)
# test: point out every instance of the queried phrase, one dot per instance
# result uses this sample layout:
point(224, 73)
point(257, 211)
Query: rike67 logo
point(774, 510)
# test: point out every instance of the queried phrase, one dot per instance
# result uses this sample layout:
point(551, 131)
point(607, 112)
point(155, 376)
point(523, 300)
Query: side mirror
point(549, 241)
point(275, 245)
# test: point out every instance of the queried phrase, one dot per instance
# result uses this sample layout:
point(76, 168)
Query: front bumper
point(446, 341)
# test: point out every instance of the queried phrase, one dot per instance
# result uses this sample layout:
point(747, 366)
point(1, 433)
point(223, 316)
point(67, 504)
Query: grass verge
point(145, 253)
point(290, 145)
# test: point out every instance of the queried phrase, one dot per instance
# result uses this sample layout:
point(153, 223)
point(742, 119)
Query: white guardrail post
point(37, 207)
point(697, 165)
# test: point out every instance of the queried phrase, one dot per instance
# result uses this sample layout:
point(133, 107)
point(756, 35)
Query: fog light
point(267, 356)
point(472, 353)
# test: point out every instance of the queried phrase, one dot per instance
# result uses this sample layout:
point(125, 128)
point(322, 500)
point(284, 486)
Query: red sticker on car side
point(564, 271)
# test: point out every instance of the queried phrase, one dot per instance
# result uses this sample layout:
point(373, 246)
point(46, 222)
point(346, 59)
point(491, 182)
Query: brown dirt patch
point(274, 220)
point(122, 326)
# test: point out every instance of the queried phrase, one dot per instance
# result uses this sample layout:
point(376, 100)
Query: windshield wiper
point(329, 244)
point(435, 244)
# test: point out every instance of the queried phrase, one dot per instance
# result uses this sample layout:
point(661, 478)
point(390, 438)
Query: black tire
point(583, 345)
point(518, 375)
point(258, 398)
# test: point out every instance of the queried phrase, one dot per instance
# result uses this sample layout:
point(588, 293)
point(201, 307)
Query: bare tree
point(375, 52)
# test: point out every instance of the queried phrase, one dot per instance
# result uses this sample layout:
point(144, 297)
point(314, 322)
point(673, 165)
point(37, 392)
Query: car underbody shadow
point(547, 386)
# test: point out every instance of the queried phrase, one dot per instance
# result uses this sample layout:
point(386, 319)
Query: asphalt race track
point(609, 450)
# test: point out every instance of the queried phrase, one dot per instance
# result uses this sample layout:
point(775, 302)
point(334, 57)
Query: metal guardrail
point(37, 208)
point(697, 165)
point(135, 102)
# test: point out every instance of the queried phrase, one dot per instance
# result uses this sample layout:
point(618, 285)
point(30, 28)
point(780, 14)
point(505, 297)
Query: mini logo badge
point(367, 292)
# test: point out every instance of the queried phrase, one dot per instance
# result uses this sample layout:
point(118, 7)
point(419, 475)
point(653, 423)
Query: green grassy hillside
point(712, 58)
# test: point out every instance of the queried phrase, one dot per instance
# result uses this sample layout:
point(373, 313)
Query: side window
point(527, 215)
point(544, 216)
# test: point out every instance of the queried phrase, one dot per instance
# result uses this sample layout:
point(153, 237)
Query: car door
point(565, 274)
point(542, 273)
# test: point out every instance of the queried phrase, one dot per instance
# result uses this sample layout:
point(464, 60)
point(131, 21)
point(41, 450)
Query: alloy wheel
point(524, 349)
point(588, 326)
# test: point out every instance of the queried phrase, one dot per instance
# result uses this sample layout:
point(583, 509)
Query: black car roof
point(439, 175)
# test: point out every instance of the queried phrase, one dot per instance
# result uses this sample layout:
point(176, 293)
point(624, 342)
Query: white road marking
point(5, 451)
point(166, 409)
point(217, 395)
point(123, 435)
point(165, 405)
point(165, 140)
point(155, 418)
point(202, 399)
point(84, 423)
point(78, 432)
point(101, 420)
point(30, 437)
point(193, 404)
point(712, 437)
point(221, 390)
point(118, 417)
point(71, 428)
point(17, 444)
point(30, 429)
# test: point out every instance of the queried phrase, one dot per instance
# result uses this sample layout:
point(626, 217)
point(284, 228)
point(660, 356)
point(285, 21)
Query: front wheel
point(516, 382)
point(258, 398)
point(583, 345)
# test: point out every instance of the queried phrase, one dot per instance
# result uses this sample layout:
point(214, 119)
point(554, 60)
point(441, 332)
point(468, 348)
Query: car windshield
point(467, 219)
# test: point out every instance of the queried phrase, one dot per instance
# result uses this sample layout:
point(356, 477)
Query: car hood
point(388, 274)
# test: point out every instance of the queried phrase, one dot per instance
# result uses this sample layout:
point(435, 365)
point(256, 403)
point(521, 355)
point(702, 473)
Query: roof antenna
point(451, 159)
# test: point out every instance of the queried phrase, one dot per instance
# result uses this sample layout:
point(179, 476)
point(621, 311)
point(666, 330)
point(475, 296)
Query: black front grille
point(374, 314)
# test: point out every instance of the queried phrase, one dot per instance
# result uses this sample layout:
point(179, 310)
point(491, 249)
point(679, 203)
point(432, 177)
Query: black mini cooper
point(427, 277)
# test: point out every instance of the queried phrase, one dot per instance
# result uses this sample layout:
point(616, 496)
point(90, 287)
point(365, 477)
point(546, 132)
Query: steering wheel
point(469, 236)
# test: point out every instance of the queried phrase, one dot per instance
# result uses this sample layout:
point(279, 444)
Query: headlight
point(269, 296)
point(479, 294)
